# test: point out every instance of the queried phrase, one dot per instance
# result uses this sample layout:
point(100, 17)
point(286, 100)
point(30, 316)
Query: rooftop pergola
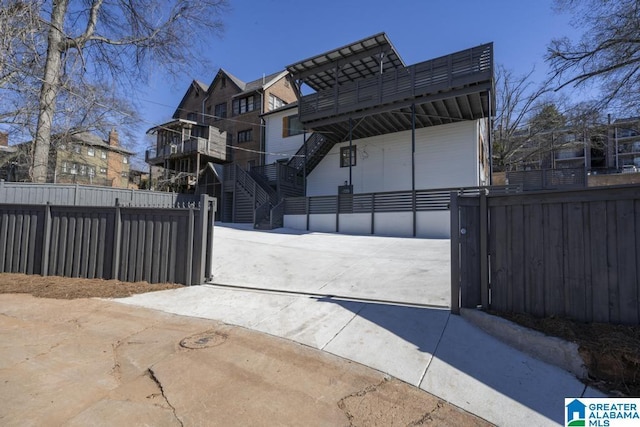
point(365, 89)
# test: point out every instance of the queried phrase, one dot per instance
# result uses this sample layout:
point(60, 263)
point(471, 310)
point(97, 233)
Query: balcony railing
point(429, 77)
point(215, 146)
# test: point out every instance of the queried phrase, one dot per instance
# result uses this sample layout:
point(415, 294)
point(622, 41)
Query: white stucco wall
point(276, 146)
point(446, 156)
point(429, 225)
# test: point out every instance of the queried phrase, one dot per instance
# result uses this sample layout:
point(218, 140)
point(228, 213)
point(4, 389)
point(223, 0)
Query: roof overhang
point(179, 123)
point(364, 58)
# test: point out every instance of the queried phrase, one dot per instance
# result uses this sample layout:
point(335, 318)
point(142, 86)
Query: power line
point(160, 126)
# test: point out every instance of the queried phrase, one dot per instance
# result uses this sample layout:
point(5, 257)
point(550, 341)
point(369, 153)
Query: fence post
point(455, 254)
point(212, 216)
point(75, 196)
point(307, 208)
point(200, 242)
point(413, 208)
point(484, 256)
point(117, 241)
point(373, 213)
point(190, 243)
point(46, 240)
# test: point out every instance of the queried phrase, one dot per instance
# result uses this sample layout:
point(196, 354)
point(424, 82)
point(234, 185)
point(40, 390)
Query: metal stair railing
point(265, 198)
point(313, 144)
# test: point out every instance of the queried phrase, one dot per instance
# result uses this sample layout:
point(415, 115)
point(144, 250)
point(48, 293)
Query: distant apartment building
point(81, 158)
point(571, 157)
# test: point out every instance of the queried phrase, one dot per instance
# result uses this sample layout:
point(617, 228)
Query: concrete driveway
point(99, 363)
point(405, 270)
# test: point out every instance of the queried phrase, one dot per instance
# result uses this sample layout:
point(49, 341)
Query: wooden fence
point(129, 244)
point(90, 195)
point(573, 254)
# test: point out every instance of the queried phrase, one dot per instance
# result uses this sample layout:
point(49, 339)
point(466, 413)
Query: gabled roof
point(358, 60)
point(263, 82)
point(88, 138)
point(195, 85)
point(236, 81)
point(257, 84)
point(203, 86)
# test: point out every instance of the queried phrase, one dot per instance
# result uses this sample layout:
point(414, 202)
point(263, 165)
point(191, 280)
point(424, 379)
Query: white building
point(383, 135)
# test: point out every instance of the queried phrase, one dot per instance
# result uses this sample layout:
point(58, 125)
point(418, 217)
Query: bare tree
point(110, 43)
point(607, 53)
point(20, 29)
point(517, 98)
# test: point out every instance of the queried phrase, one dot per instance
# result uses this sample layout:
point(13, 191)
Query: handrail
point(312, 144)
point(457, 69)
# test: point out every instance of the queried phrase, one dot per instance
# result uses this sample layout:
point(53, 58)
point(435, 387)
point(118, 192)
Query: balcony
point(463, 77)
point(215, 147)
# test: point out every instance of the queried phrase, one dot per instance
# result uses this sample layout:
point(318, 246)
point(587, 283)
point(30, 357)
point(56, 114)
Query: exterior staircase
point(313, 151)
point(257, 196)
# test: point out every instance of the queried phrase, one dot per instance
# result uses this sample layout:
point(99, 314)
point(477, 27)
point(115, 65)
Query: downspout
point(490, 140)
point(304, 163)
point(350, 153)
point(203, 109)
point(263, 140)
point(413, 165)
point(262, 128)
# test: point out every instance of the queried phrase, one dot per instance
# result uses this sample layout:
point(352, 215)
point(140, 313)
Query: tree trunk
point(49, 92)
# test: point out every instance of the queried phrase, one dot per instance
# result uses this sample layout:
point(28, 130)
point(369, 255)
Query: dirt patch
point(73, 288)
point(611, 353)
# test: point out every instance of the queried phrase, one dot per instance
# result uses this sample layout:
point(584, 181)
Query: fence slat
point(567, 254)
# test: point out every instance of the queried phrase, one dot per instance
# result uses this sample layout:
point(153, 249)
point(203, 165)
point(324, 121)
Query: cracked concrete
point(393, 403)
point(92, 362)
point(155, 379)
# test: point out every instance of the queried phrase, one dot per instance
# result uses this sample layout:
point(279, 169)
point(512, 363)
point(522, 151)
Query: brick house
point(216, 124)
point(81, 158)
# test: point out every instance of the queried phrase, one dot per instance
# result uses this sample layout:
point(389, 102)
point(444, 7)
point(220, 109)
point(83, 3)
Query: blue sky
point(263, 37)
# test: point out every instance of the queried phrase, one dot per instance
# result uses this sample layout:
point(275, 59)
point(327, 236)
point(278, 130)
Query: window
point(251, 164)
point(103, 170)
point(344, 156)
point(91, 151)
point(76, 149)
point(245, 135)
point(291, 126)
point(103, 154)
point(244, 105)
point(83, 169)
point(275, 102)
point(92, 171)
point(65, 167)
point(125, 159)
point(221, 111)
point(74, 169)
point(124, 174)
point(191, 116)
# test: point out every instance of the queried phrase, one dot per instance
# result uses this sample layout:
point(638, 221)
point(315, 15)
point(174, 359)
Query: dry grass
point(73, 288)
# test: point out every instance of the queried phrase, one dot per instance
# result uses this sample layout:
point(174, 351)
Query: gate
point(573, 254)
